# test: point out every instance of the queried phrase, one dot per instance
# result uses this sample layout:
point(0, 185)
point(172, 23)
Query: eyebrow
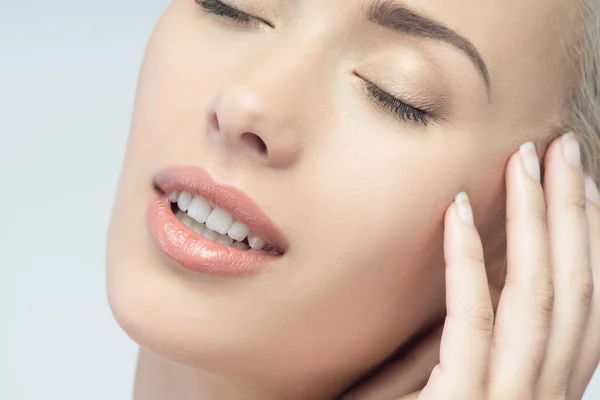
point(400, 18)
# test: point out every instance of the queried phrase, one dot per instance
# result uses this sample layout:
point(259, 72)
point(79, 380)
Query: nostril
point(213, 122)
point(255, 142)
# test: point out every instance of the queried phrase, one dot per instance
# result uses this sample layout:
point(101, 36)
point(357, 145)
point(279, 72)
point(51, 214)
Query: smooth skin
point(280, 110)
point(543, 342)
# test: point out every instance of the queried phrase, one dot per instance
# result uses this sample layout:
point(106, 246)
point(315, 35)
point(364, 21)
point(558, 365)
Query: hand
point(544, 340)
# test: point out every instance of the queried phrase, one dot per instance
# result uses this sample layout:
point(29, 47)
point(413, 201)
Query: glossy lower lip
point(195, 252)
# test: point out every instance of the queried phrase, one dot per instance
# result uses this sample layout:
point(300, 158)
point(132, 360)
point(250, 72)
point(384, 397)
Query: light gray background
point(67, 79)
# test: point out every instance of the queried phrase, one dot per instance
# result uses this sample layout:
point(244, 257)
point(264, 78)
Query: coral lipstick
point(196, 252)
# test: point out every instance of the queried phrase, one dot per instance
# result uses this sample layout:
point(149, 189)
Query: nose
point(259, 112)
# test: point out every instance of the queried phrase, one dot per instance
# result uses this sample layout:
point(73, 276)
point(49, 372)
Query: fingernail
point(463, 206)
point(591, 190)
point(571, 150)
point(531, 160)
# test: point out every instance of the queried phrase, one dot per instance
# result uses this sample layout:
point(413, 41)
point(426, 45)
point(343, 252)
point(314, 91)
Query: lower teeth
point(211, 235)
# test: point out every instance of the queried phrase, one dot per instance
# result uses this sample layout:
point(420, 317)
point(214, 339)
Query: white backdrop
point(67, 79)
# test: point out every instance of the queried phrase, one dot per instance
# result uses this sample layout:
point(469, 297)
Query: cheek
point(376, 202)
point(368, 257)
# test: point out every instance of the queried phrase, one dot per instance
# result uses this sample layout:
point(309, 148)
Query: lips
point(196, 252)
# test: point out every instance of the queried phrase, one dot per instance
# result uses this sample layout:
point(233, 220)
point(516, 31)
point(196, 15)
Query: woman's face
point(351, 124)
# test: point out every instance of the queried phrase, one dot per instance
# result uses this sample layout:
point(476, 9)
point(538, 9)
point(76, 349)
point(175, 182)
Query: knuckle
point(542, 297)
point(584, 288)
point(474, 254)
point(537, 297)
point(555, 390)
point(480, 315)
point(545, 301)
point(577, 201)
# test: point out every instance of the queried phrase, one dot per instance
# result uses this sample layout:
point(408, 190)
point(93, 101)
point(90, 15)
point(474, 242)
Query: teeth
point(224, 239)
point(269, 248)
point(214, 224)
point(240, 246)
point(199, 209)
point(255, 242)
point(219, 221)
point(238, 231)
point(173, 197)
point(210, 235)
point(187, 221)
point(198, 228)
point(184, 201)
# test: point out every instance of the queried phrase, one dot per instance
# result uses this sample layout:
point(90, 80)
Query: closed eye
point(399, 108)
point(221, 9)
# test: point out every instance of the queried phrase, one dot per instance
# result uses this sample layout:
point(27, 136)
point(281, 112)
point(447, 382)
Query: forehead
point(522, 33)
point(478, 16)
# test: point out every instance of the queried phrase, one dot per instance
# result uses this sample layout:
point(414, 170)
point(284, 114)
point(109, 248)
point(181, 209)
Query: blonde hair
point(585, 103)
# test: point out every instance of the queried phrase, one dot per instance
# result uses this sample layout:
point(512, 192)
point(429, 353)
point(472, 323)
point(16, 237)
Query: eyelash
point(221, 9)
point(404, 111)
point(401, 109)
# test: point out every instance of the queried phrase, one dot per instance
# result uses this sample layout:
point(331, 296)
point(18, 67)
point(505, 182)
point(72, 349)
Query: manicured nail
point(591, 190)
point(463, 206)
point(531, 160)
point(571, 150)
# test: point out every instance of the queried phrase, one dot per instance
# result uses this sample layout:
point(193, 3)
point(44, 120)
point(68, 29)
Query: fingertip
point(462, 206)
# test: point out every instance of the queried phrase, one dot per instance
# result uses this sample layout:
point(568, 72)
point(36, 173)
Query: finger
point(589, 354)
point(525, 307)
point(470, 316)
point(570, 257)
point(404, 375)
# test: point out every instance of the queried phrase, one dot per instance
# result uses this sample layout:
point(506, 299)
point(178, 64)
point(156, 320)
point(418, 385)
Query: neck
point(160, 379)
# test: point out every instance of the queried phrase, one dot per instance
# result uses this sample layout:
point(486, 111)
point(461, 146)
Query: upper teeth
point(213, 223)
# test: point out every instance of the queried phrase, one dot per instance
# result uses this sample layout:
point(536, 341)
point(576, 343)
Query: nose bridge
point(291, 62)
point(280, 75)
point(265, 99)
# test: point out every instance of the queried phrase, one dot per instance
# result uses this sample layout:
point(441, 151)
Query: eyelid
point(407, 101)
point(250, 15)
point(418, 115)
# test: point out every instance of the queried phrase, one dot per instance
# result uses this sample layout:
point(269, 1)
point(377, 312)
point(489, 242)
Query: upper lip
point(240, 206)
